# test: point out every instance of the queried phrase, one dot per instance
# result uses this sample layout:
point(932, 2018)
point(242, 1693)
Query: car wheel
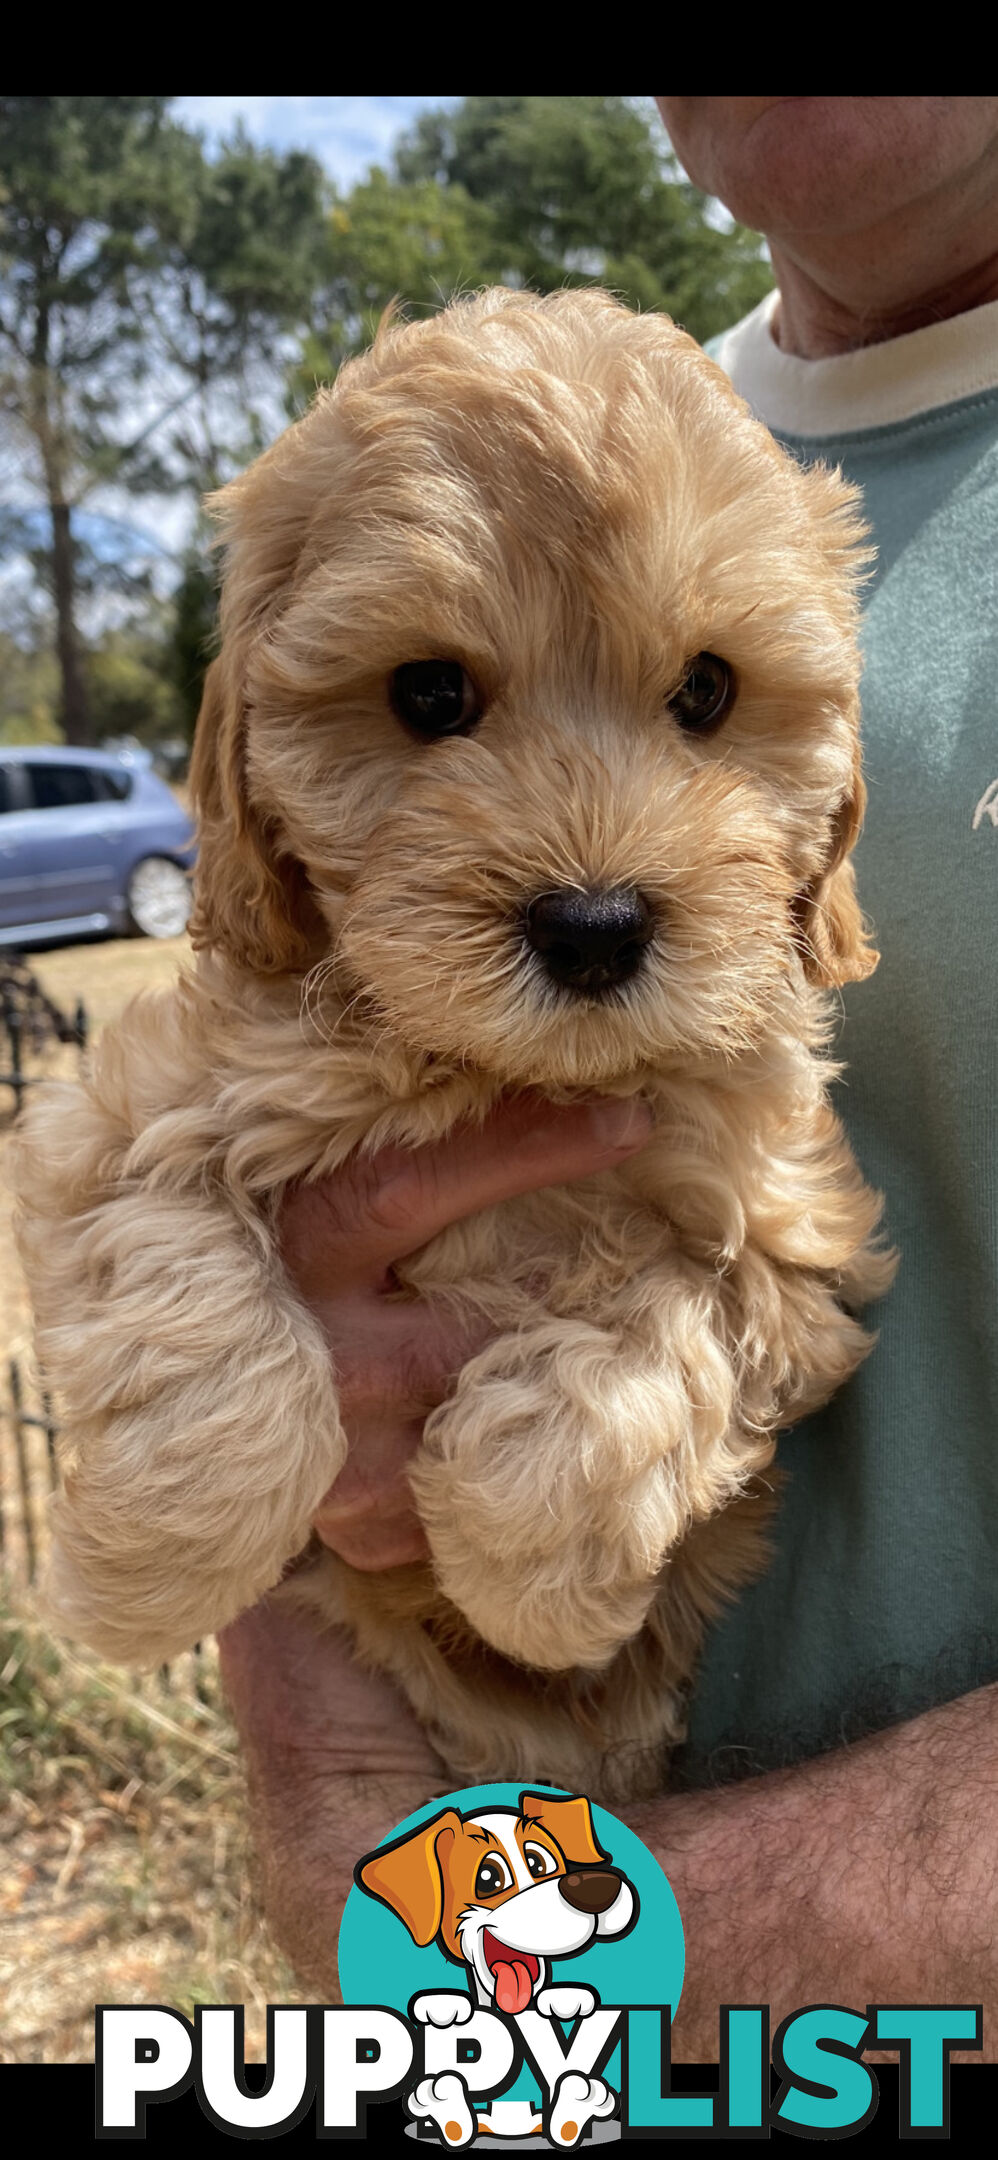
point(159, 897)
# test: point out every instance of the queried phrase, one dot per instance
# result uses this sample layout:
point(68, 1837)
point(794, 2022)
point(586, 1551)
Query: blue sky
point(347, 133)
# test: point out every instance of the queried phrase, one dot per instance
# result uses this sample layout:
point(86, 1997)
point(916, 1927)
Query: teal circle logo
point(379, 1960)
point(502, 1892)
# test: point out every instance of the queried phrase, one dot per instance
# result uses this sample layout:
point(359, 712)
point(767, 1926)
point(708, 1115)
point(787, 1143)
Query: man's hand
point(396, 1359)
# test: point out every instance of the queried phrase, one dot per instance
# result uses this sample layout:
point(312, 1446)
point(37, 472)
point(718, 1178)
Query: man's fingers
point(367, 1516)
point(378, 1209)
point(395, 1356)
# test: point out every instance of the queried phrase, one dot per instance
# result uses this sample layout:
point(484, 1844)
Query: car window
point(5, 795)
point(112, 786)
point(56, 787)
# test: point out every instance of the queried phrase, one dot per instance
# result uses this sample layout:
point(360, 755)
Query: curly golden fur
point(570, 501)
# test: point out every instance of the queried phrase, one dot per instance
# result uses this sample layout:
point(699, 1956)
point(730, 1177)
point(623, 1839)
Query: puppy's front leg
point(198, 1403)
point(571, 1460)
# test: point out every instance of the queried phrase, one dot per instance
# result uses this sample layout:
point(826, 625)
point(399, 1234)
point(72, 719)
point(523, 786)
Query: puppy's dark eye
point(435, 697)
point(540, 1861)
point(493, 1876)
point(704, 696)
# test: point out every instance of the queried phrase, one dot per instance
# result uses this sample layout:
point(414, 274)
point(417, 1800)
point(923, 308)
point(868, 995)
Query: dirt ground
point(125, 1868)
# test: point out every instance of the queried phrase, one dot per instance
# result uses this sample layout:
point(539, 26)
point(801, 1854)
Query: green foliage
point(77, 194)
point(192, 637)
point(146, 288)
point(130, 259)
point(239, 239)
point(534, 191)
point(78, 186)
point(153, 299)
point(75, 200)
point(130, 687)
point(29, 693)
point(420, 241)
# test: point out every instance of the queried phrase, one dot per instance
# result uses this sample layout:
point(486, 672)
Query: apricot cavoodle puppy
point(530, 759)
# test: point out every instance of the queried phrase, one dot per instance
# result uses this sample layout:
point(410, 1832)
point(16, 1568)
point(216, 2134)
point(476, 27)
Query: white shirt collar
point(877, 386)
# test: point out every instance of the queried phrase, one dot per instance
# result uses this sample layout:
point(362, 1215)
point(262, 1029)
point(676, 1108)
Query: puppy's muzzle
point(593, 1891)
point(589, 941)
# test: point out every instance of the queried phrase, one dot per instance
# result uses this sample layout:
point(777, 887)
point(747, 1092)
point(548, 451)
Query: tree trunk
point(45, 416)
point(75, 715)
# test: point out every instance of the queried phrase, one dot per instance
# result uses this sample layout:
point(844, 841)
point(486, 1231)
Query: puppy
point(530, 759)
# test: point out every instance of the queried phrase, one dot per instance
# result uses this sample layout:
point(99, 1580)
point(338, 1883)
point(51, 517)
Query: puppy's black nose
point(590, 940)
point(591, 1892)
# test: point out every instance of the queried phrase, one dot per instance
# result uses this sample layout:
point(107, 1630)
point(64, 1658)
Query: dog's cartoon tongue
point(514, 1971)
point(512, 1986)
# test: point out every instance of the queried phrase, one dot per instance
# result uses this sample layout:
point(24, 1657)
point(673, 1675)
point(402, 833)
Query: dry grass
point(105, 976)
point(125, 1870)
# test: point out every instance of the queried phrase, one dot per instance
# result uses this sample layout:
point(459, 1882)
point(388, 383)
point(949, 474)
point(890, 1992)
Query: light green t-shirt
point(882, 1598)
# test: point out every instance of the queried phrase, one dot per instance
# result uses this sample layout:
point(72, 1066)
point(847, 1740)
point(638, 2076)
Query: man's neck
point(820, 313)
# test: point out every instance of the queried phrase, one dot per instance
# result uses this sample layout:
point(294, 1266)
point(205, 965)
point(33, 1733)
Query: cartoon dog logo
point(505, 1892)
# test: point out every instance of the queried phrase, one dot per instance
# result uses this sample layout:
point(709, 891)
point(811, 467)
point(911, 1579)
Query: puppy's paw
point(443, 2010)
point(443, 2100)
point(578, 2101)
point(552, 1615)
point(567, 2003)
point(544, 1533)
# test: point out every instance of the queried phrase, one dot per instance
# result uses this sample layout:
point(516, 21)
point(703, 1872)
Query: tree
point(235, 278)
point(534, 191)
point(239, 239)
point(73, 205)
point(584, 189)
point(29, 689)
point(153, 300)
point(129, 683)
point(142, 284)
point(192, 634)
point(419, 240)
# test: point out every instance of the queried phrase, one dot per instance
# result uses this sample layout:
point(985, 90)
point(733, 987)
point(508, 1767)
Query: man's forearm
point(867, 1875)
point(334, 1760)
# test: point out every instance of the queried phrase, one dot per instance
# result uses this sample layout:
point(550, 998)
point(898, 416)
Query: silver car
point(89, 842)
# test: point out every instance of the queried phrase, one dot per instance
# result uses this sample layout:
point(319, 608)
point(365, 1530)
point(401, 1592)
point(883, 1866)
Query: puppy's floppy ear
point(408, 1876)
point(570, 1823)
point(251, 898)
point(834, 939)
